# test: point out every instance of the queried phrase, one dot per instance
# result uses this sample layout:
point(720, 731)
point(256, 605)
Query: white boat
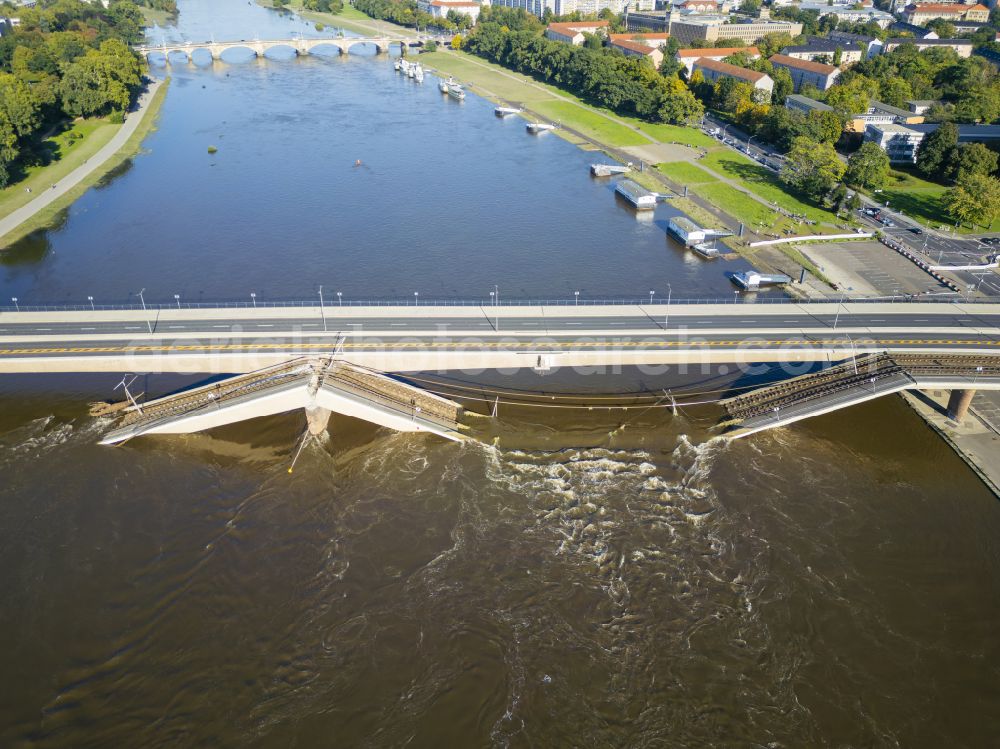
point(455, 90)
point(504, 111)
point(443, 84)
point(398, 64)
point(539, 127)
point(418, 73)
point(411, 71)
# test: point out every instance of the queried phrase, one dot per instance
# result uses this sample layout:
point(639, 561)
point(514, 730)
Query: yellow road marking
point(504, 345)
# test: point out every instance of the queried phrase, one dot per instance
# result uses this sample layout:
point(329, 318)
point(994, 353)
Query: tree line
point(604, 76)
point(66, 59)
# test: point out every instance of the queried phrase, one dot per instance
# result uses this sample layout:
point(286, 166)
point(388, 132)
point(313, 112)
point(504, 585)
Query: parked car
point(916, 230)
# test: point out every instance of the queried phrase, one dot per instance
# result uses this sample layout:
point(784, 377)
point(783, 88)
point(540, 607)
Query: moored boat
point(456, 90)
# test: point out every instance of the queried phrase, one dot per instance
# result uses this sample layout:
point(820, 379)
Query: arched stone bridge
point(261, 47)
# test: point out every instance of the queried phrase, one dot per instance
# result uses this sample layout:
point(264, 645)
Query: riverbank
point(70, 185)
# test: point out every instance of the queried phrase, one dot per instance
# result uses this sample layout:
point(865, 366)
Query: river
point(586, 578)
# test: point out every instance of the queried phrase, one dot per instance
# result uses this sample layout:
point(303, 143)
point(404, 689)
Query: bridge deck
point(305, 382)
point(857, 380)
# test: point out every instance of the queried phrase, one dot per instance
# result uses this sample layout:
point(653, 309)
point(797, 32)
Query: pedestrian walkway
point(13, 220)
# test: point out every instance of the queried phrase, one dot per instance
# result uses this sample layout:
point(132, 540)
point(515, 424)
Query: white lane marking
point(177, 327)
point(397, 325)
point(262, 325)
point(88, 328)
point(43, 328)
point(131, 328)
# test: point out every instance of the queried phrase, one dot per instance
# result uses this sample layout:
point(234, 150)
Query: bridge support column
point(318, 419)
point(958, 404)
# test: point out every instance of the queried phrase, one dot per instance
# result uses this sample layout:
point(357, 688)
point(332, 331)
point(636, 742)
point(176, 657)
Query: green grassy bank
point(47, 216)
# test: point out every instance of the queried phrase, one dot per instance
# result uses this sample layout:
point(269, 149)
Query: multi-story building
point(899, 142)
point(806, 72)
point(573, 32)
point(687, 57)
point(879, 113)
point(962, 46)
point(638, 48)
point(804, 104)
point(824, 50)
point(440, 8)
point(717, 28)
point(920, 13)
point(713, 70)
point(565, 7)
point(902, 142)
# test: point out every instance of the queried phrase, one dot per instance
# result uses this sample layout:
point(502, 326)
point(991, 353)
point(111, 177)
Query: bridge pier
point(958, 404)
point(317, 419)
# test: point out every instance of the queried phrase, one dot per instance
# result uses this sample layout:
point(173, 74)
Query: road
point(394, 338)
point(13, 220)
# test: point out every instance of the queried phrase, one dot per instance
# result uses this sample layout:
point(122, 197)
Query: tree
point(783, 85)
point(975, 199)
point(975, 158)
point(677, 104)
point(812, 167)
point(456, 41)
point(868, 167)
point(937, 152)
point(19, 105)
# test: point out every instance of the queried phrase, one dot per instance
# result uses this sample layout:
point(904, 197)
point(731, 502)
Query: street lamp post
point(322, 308)
point(666, 315)
point(177, 298)
point(576, 294)
point(651, 292)
point(253, 298)
point(340, 298)
point(836, 319)
point(16, 306)
point(416, 298)
point(91, 300)
point(144, 311)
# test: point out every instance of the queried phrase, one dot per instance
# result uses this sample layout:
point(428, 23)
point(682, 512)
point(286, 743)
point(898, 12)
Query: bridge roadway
point(301, 45)
point(240, 339)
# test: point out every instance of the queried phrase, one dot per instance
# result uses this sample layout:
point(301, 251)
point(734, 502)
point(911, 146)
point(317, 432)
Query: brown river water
point(574, 578)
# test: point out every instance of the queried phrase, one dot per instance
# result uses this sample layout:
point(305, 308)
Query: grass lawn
point(763, 182)
point(686, 173)
point(590, 123)
point(923, 201)
point(664, 133)
point(68, 154)
point(493, 78)
point(739, 204)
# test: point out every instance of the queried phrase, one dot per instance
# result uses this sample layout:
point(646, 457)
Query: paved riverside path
point(135, 117)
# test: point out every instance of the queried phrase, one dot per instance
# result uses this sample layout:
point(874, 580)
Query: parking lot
point(870, 268)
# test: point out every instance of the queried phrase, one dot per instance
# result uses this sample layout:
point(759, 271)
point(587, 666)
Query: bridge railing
point(332, 305)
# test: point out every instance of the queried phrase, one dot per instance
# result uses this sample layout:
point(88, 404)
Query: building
point(804, 104)
point(962, 46)
point(899, 142)
point(573, 32)
point(687, 57)
point(921, 106)
point(849, 12)
point(919, 32)
point(713, 70)
point(699, 6)
point(632, 48)
point(440, 8)
point(713, 29)
point(822, 50)
point(565, 7)
point(879, 113)
point(807, 73)
point(869, 45)
point(920, 14)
